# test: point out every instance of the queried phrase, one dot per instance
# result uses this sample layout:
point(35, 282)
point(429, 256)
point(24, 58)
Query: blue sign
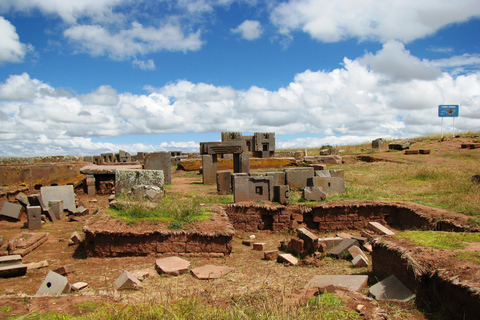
point(450, 110)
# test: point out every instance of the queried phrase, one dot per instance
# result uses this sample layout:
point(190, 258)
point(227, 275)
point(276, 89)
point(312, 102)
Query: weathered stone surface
point(331, 159)
point(278, 178)
point(355, 251)
point(76, 238)
point(313, 194)
point(148, 192)
point(13, 270)
point(360, 261)
point(56, 208)
point(11, 210)
point(64, 270)
point(352, 282)
point(378, 143)
point(172, 265)
point(209, 168)
point(126, 179)
point(252, 188)
point(227, 164)
point(127, 281)
point(54, 284)
point(399, 144)
point(77, 286)
point(224, 182)
point(37, 265)
point(34, 217)
point(65, 193)
point(342, 248)
point(143, 274)
point(159, 161)
point(270, 255)
point(329, 185)
point(378, 228)
point(258, 246)
point(22, 198)
point(330, 242)
point(296, 178)
point(208, 272)
point(288, 259)
point(391, 289)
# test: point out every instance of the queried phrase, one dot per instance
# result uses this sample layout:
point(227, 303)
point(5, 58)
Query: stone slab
point(342, 248)
point(65, 193)
point(126, 179)
point(11, 259)
point(54, 284)
point(270, 255)
point(391, 289)
point(330, 242)
point(34, 217)
point(37, 265)
point(11, 210)
point(355, 251)
point(380, 229)
point(64, 270)
point(172, 265)
point(360, 261)
point(314, 194)
point(210, 272)
point(352, 282)
point(13, 270)
point(127, 281)
point(296, 178)
point(287, 258)
point(77, 286)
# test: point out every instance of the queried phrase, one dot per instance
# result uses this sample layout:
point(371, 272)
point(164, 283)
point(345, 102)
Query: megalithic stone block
point(342, 248)
point(11, 210)
point(127, 281)
point(34, 216)
point(54, 284)
point(56, 208)
point(391, 289)
point(65, 193)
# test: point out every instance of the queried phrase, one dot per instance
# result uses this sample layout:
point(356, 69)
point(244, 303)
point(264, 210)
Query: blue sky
point(93, 76)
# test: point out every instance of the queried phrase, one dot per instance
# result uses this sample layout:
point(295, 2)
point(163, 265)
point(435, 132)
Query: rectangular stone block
point(65, 193)
point(281, 194)
point(296, 178)
point(378, 228)
point(352, 282)
point(159, 161)
point(224, 182)
point(313, 194)
point(278, 178)
point(54, 284)
point(343, 247)
point(209, 168)
point(330, 185)
point(241, 190)
point(11, 210)
point(241, 163)
point(34, 217)
point(125, 179)
point(259, 246)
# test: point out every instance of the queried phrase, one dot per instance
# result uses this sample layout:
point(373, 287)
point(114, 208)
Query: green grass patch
point(170, 210)
point(440, 240)
point(470, 255)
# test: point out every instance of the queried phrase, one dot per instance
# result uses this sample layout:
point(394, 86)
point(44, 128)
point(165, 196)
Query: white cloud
point(69, 11)
point(249, 29)
point(138, 40)
point(378, 20)
point(11, 49)
point(361, 101)
point(144, 65)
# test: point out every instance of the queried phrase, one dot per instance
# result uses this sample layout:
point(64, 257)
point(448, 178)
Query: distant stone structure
point(261, 144)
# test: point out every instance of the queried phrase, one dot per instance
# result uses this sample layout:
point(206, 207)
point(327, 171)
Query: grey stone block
point(54, 284)
point(313, 194)
point(330, 185)
point(278, 178)
point(127, 281)
point(11, 210)
point(56, 208)
point(159, 161)
point(352, 282)
point(281, 194)
point(209, 168)
point(296, 178)
point(391, 289)
point(65, 193)
point(126, 179)
point(34, 217)
point(224, 182)
point(343, 247)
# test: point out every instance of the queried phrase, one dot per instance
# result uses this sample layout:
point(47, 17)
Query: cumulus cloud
point(377, 20)
point(363, 100)
point(138, 40)
point(11, 49)
point(249, 29)
point(144, 65)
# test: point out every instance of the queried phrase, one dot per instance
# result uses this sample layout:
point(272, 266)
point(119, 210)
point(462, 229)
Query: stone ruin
point(261, 144)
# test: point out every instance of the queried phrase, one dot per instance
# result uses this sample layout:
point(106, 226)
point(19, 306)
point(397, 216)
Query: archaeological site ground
point(240, 230)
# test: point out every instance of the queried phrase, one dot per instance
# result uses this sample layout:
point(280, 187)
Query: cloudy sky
point(91, 76)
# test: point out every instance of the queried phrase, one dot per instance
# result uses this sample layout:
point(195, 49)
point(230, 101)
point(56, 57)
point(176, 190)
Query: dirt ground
point(251, 274)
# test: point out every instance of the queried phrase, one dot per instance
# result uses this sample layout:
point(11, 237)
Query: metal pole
point(442, 128)
point(453, 127)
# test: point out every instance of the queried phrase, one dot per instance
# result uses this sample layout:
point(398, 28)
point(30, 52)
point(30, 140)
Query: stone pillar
point(209, 168)
point(159, 161)
point(241, 163)
point(90, 180)
point(34, 217)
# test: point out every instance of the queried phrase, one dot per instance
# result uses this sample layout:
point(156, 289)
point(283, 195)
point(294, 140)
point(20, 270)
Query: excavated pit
point(107, 237)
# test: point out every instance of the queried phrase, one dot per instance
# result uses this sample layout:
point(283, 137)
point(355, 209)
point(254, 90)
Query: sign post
point(448, 110)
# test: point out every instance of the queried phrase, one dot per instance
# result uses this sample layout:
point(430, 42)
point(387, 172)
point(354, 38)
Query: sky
point(84, 77)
